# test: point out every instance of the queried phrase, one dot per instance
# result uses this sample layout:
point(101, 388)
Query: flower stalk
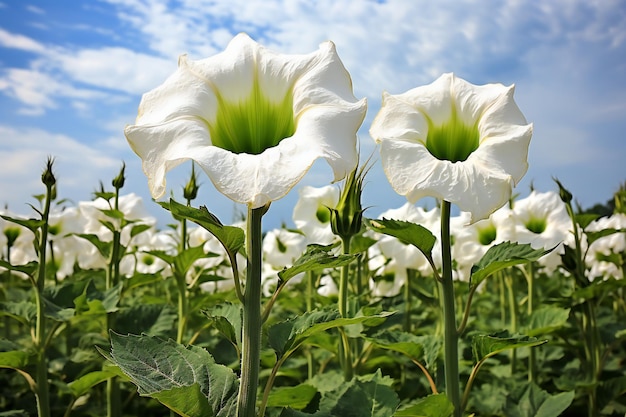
point(42, 392)
point(252, 320)
point(451, 336)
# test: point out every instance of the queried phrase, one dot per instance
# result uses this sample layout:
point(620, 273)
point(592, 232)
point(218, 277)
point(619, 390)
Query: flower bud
point(346, 218)
point(118, 182)
point(565, 195)
point(190, 191)
point(47, 177)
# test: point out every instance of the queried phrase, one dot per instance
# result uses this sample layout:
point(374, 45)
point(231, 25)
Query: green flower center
point(323, 214)
point(254, 124)
point(452, 141)
point(536, 225)
point(487, 235)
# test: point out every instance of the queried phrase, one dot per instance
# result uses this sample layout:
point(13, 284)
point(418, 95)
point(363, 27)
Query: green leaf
point(546, 320)
point(227, 319)
point(15, 359)
point(593, 236)
point(231, 237)
point(364, 396)
point(289, 335)
point(31, 224)
point(139, 228)
point(85, 383)
point(502, 256)
point(584, 220)
point(402, 342)
point(187, 401)
point(167, 371)
point(485, 346)
point(151, 319)
point(105, 248)
point(408, 232)
point(28, 269)
point(316, 257)
point(296, 397)
point(532, 401)
point(436, 405)
point(22, 311)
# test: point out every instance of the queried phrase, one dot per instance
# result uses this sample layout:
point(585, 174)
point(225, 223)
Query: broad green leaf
point(584, 220)
point(31, 224)
point(22, 311)
point(611, 389)
point(85, 383)
point(28, 269)
point(408, 232)
point(532, 401)
point(231, 237)
point(185, 259)
point(57, 313)
point(139, 228)
point(105, 248)
point(187, 401)
point(15, 359)
point(485, 346)
point(402, 342)
point(546, 320)
point(296, 397)
point(436, 405)
point(289, 335)
point(364, 396)
point(504, 255)
point(157, 366)
point(227, 319)
point(316, 257)
point(151, 319)
point(593, 236)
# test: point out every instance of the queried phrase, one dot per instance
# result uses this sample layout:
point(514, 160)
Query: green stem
point(451, 336)
point(182, 308)
point(114, 408)
point(251, 351)
point(508, 279)
point(344, 348)
point(42, 393)
point(532, 360)
point(410, 277)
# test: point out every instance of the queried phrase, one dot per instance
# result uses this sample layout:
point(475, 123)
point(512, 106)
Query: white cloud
point(24, 152)
point(17, 41)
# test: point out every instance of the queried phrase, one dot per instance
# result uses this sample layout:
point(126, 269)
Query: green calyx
point(254, 124)
point(452, 141)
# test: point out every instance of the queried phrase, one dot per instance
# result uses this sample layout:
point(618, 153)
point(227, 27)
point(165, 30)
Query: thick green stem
point(344, 348)
point(182, 308)
point(252, 321)
point(42, 394)
point(451, 336)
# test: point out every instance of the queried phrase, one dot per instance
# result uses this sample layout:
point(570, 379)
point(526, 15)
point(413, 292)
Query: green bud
point(565, 195)
point(190, 191)
point(118, 182)
point(346, 218)
point(47, 177)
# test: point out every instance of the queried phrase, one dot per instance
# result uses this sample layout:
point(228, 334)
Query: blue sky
point(72, 74)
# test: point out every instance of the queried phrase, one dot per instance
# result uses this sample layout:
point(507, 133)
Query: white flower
point(254, 120)
point(311, 214)
point(541, 220)
point(454, 141)
point(403, 254)
point(606, 256)
point(282, 247)
point(472, 241)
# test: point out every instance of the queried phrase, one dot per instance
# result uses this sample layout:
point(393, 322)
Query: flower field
point(513, 307)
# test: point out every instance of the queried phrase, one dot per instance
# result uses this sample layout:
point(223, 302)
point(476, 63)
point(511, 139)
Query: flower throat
point(452, 141)
point(253, 124)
